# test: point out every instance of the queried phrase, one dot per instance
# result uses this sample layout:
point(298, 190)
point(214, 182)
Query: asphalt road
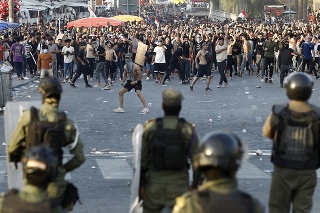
point(104, 180)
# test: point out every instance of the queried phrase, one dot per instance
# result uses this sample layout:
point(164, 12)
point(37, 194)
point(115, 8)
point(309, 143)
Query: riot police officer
point(219, 157)
point(294, 129)
point(167, 145)
point(49, 126)
point(40, 168)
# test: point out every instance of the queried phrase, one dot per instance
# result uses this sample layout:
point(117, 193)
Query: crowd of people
point(192, 47)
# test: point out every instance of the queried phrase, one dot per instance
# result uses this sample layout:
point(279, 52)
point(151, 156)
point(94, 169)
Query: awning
point(95, 22)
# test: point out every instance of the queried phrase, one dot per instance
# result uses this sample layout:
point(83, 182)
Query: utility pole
point(11, 10)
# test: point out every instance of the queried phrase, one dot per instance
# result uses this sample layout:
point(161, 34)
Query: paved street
point(104, 180)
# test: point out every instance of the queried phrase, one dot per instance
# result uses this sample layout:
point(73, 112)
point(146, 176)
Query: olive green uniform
point(17, 145)
point(33, 194)
point(189, 202)
point(289, 185)
point(163, 186)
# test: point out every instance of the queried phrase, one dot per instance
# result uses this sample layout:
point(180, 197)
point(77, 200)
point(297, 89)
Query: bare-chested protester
point(202, 66)
point(111, 59)
point(132, 73)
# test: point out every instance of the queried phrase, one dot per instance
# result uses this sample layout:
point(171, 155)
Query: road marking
point(258, 119)
point(250, 97)
point(99, 98)
point(254, 107)
point(246, 88)
point(249, 171)
point(3, 169)
point(205, 101)
point(115, 168)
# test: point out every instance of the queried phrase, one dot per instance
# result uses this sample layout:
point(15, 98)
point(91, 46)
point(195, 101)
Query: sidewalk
point(19, 83)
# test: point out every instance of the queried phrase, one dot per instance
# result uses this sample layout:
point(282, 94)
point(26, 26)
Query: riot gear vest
point(13, 204)
point(296, 144)
point(45, 132)
point(237, 201)
point(168, 147)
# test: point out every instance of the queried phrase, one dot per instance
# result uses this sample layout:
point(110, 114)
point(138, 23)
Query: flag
point(156, 21)
point(91, 12)
point(242, 14)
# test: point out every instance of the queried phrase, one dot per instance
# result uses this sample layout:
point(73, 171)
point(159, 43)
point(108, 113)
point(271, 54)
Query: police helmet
point(299, 86)
point(221, 150)
point(49, 86)
point(40, 165)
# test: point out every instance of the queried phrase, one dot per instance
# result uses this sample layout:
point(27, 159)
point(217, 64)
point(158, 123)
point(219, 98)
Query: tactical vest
point(239, 202)
point(168, 147)
point(13, 204)
point(296, 144)
point(44, 132)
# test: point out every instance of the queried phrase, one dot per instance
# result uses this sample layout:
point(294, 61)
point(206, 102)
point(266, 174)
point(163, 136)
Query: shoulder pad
point(276, 109)
point(181, 202)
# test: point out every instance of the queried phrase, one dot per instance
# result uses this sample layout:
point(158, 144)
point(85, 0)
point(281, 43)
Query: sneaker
point(208, 89)
point(69, 81)
point(26, 78)
point(88, 85)
point(67, 77)
point(147, 78)
point(265, 80)
point(156, 81)
point(22, 78)
point(64, 81)
point(226, 84)
point(107, 87)
point(191, 88)
point(119, 110)
point(72, 85)
point(168, 80)
point(270, 81)
point(164, 84)
point(219, 86)
point(230, 78)
point(97, 85)
point(14, 75)
point(144, 111)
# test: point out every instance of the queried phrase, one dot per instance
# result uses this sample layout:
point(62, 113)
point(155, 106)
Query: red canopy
point(95, 22)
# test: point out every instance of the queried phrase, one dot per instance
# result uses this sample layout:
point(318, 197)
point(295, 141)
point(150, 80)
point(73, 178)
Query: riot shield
point(12, 113)
point(135, 206)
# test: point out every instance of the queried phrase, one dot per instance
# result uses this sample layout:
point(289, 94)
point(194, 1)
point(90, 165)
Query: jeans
point(18, 68)
point(68, 69)
point(249, 60)
point(185, 69)
point(101, 69)
point(222, 67)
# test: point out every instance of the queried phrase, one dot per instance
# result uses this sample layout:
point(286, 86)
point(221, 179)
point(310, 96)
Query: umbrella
point(126, 18)
point(95, 22)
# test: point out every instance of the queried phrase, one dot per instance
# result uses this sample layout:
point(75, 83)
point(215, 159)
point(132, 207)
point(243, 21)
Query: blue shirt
point(306, 50)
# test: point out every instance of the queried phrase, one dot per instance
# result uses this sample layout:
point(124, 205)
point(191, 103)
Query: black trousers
point(82, 69)
point(91, 66)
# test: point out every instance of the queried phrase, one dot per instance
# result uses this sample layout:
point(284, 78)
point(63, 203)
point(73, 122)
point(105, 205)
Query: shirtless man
point(202, 66)
point(133, 72)
point(247, 54)
point(111, 59)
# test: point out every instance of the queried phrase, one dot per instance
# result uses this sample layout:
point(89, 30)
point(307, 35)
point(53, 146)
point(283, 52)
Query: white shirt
point(160, 57)
point(316, 49)
point(68, 58)
point(223, 55)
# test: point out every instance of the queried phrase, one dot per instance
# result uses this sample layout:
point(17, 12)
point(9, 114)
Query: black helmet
point(299, 86)
point(49, 86)
point(40, 165)
point(221, 150)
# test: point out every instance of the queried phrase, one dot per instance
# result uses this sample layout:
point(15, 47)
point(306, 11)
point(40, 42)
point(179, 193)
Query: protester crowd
point(181, 35)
